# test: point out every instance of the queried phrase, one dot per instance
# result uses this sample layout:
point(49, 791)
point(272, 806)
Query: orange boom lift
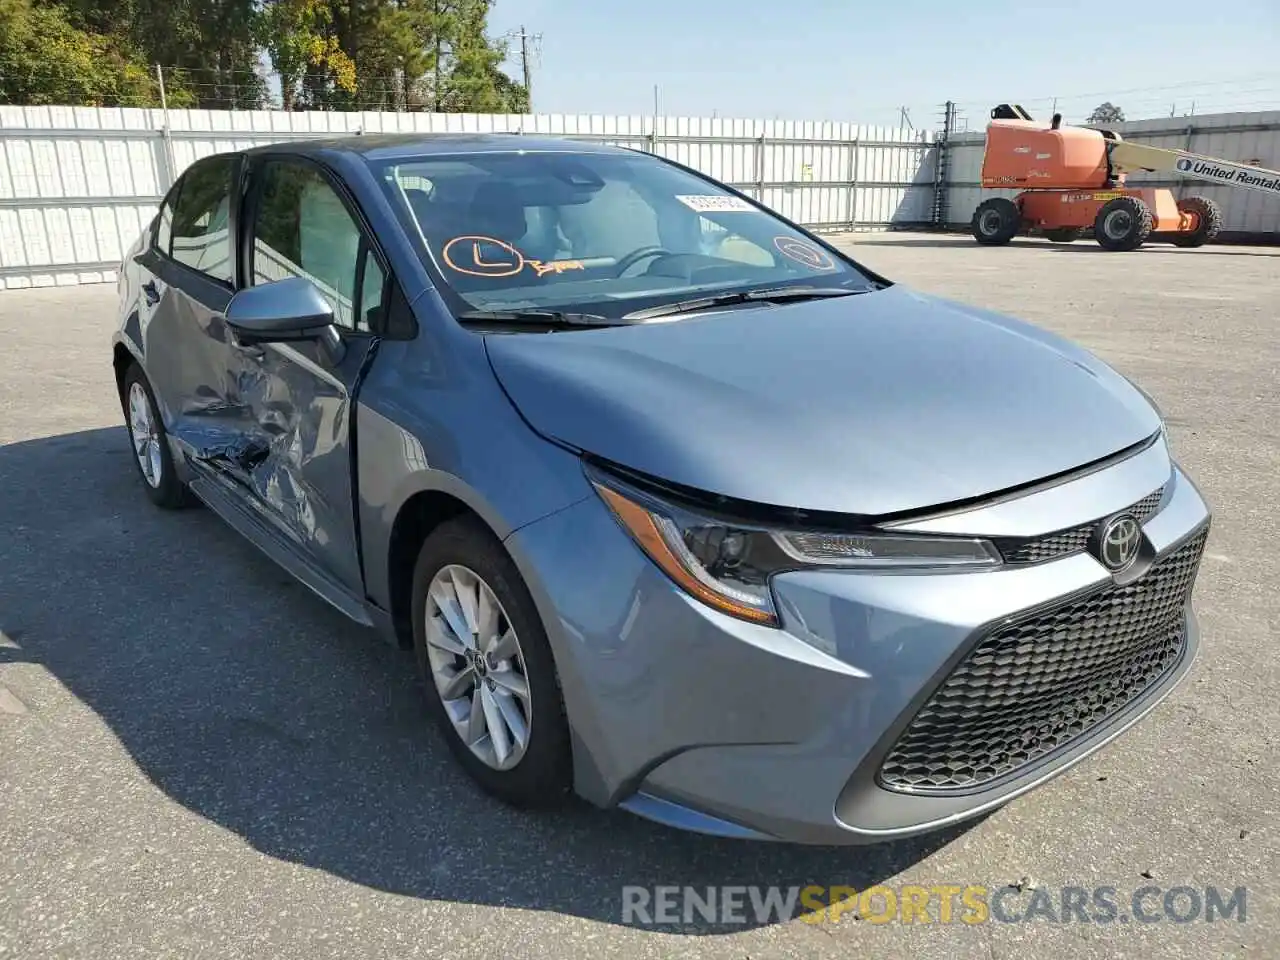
point(1072, 180)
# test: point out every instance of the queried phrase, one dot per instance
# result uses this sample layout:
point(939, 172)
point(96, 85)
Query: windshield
point(607, 234)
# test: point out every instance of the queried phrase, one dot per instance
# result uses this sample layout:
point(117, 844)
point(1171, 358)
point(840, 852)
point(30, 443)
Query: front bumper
point(698, 720)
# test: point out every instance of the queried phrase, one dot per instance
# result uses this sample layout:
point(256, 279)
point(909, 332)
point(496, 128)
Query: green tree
point(330, 54)
point(298, 37)
point(206, 47)
point(46, 59)
point(473, 84)
point(1105, 113)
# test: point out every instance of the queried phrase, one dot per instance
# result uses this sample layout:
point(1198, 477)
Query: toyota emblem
point(1118, 542)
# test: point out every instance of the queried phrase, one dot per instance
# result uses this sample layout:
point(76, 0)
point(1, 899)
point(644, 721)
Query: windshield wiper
point(538, 318)
point(766, 295)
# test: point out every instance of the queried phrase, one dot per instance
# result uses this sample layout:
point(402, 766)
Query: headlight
point(727, 565)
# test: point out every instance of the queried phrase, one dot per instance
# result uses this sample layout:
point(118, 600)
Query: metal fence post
point(942, 166)
point(168, 165)
point(853, 184)
point(761, 146)
point(1191, 136)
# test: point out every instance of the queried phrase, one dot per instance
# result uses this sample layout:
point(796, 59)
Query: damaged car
point(680, 507)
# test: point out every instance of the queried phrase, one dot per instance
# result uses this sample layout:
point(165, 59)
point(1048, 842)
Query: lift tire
point(1122, 224)
point(996, 221)
point(1209, 222)
point(1063, 234)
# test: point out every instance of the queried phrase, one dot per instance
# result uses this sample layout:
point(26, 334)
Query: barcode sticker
point(719, 203)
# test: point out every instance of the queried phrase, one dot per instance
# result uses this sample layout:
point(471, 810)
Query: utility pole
point(524, 64)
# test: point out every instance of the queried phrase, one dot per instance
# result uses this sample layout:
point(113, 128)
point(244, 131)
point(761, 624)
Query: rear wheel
point(1122, 224)
point(1208, 222)
point(150, 442)
point(1063, 234)
point(996, 221)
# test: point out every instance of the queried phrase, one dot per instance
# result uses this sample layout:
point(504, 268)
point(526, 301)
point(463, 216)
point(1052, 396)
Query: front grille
point(1073, 540)
point(1031, 687)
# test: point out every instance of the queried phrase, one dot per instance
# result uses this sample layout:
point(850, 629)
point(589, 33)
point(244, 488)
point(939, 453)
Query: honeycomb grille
point(1073, 540)
point(1032, 687)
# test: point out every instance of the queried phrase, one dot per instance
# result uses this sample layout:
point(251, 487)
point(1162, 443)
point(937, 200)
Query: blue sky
point(861, 61)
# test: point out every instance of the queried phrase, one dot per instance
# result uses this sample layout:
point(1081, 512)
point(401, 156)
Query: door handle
point(151, 292)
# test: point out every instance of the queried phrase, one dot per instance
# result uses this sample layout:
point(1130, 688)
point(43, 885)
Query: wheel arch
point(122, 358)
point(420, 513)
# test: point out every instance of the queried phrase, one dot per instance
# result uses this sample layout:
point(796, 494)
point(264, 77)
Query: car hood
point(874, 404)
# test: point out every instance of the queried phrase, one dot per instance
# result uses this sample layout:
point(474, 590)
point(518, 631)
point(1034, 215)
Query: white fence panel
point(77, 184)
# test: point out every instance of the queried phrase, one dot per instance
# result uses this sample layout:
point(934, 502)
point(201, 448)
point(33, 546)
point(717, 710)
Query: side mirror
point(284, 310)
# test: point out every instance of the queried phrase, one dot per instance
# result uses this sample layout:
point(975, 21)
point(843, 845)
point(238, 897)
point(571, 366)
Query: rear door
point(300, 222)
point(188, 275)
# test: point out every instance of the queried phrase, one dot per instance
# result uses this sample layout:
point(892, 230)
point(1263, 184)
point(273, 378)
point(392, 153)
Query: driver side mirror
point(282, 311)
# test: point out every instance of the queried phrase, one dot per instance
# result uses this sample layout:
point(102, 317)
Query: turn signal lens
point(673, 552)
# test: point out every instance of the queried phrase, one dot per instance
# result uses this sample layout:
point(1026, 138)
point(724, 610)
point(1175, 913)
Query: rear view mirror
point(284, 310)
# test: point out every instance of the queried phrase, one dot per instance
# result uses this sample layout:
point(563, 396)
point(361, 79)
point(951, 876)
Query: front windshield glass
point(601, 233)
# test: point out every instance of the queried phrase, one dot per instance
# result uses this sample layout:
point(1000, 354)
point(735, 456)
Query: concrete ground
point(200, 759)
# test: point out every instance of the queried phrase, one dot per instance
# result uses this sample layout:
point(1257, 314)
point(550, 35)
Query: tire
point(996, 221)
point(159, 477)
point(1208, 226)
point(1063, 234)
point(541, 776)
point(1122, 224)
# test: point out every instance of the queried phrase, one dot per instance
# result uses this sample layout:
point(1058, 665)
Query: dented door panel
point(275, 419)
point(194, 365)
point(298, 444)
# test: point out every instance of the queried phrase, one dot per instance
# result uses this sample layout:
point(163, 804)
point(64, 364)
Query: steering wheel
point(635, 256)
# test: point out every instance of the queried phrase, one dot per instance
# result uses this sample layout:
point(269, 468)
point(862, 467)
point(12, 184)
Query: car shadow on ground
point(250, 702)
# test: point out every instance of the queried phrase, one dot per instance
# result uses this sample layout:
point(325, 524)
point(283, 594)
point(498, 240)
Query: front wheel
point(996, 221)
point(1122, 224)
point(150, 442)
point(487, 667)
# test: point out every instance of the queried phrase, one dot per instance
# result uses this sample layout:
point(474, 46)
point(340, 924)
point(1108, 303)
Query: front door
point(299, 397)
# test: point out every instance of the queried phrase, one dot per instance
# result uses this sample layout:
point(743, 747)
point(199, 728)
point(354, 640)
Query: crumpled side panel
point(297, 454)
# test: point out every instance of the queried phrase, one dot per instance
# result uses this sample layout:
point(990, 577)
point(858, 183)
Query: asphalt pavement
point(198, 758)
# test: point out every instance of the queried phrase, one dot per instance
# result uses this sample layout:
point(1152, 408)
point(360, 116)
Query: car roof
point(378, 147)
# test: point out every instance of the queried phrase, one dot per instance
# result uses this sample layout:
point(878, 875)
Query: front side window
point(303, 229)
point(604, 233)
point(201, 229)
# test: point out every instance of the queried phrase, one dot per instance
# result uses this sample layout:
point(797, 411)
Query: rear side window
point(202, 218)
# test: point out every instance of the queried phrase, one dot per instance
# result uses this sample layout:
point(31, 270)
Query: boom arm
point(1130, 157)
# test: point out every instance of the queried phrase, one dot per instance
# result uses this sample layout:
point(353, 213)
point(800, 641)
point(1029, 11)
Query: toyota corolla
point(680, 507)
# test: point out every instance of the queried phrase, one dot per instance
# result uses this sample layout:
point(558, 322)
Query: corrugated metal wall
point(78, 183)
point(1252, 138)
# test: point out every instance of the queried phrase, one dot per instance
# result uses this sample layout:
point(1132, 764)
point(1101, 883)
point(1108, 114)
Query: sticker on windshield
point(481, 256)
point(555, 266)
point(804, 252)
point(719, 203)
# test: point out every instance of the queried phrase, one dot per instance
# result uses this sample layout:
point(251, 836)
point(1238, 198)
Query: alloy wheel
point(478, 666)
point(145, 435)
